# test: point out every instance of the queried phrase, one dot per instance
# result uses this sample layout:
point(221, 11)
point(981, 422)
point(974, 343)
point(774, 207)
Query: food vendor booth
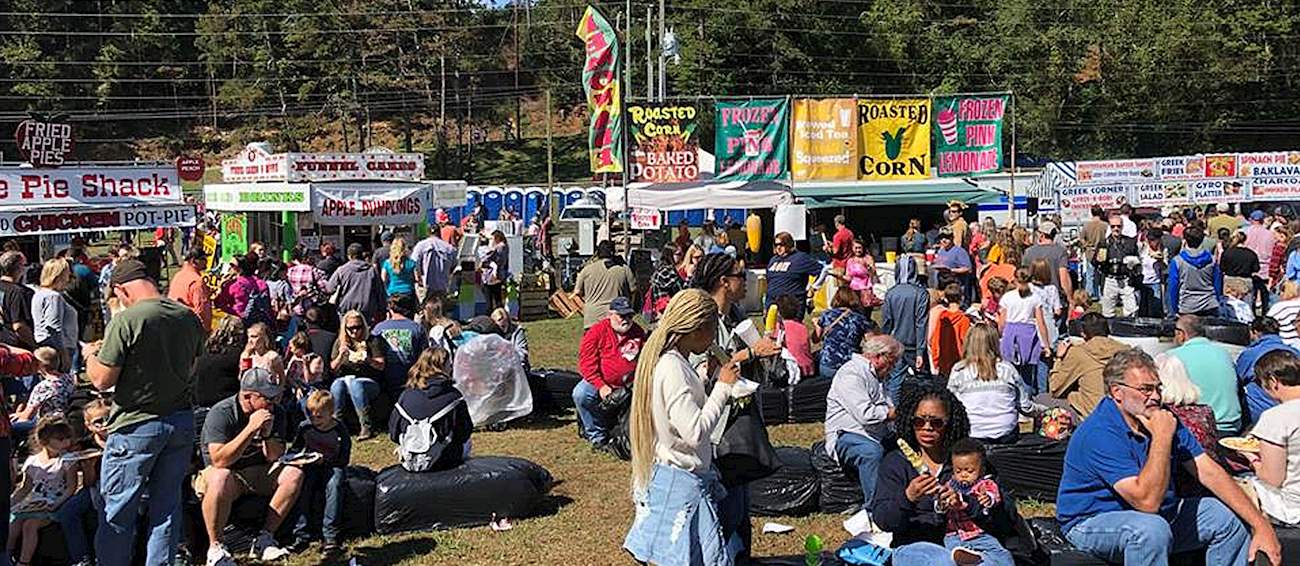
point(286, 198)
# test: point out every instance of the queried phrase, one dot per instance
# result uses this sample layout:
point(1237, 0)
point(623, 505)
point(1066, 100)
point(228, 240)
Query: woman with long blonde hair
point(673, 478)
point(398, 270)
point(358, 364)
point(990, 388)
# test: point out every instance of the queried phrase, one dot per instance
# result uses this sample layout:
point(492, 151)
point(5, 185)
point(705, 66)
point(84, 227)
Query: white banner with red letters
point(25, 187)
point(89, 219)
point(369, 203)
point(255, 163)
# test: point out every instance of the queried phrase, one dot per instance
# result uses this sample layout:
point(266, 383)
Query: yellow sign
point(894, 135)
point(823, 146)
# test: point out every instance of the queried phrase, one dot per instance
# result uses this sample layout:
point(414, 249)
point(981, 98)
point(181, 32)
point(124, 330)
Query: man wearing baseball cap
point(146, 355)
point(243, 436)
point(1054, 254)
point(1261, 240)
point(607, 361)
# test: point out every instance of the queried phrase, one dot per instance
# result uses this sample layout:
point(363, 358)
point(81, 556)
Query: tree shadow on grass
point(390, 552)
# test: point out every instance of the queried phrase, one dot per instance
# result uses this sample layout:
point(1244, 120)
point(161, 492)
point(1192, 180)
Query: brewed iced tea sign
point(968, 134)
point(894, 135)
point(824, 146)
point(665, 144)
point(752, 139)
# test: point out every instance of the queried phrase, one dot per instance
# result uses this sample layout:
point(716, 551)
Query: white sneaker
point(219, 556)
point(266, 549)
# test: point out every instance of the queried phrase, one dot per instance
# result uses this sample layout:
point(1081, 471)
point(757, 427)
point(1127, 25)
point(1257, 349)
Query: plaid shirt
point(302, 279)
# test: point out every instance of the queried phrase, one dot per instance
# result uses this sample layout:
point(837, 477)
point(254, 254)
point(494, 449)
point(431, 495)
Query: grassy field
point(595, 509)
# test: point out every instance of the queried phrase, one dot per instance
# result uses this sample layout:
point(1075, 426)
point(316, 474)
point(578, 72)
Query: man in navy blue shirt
point(789, 270)
point(1116, 500)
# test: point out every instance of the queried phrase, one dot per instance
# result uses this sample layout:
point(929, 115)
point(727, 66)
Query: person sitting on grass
point(514, 333)
point(46, 482)
point(320, 505)
point(50, 395)
point(990, 388)
point(72, 514)
point(242, 437)
point(429, 390)
point(1277, 483)
point(1116, 499)
point(607, 361)
point(977, 501)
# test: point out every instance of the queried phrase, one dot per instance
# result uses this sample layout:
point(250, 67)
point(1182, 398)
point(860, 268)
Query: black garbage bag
point(1138, 327)
point(552, 389)
point(465, 496)
point(358, 503)
point(808, 400)
point(790, 492)
point(774, 403)
point(1030, 468)
point(620, 443)
point(1226, 331)
point(838, 487)
point(745, 453)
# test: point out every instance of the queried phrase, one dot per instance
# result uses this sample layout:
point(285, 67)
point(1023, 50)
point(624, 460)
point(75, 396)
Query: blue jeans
point(320, 504)
point(895, 381)
point(733, 510)
point(360, 390)
point(150, 459)
point(1040, 377)
point(72, 519)
point(592, 422)
point(1139, 539)
point(863, 453)
point(994, 553)
point(922, 554)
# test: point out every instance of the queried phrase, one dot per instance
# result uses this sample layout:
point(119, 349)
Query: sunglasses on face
point(356, 328)
point(935, 423)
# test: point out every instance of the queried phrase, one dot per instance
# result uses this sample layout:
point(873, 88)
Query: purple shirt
point(434, 260)
point(952, 258)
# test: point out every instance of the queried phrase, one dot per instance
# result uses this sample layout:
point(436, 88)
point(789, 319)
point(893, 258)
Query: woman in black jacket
point(929, 419)
point(429, 389)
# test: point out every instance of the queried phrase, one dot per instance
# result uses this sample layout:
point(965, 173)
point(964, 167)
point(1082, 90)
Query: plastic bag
point(840, 490)
point(791, 491)
point(464, 496)
point(808, 400)
point(489, 373)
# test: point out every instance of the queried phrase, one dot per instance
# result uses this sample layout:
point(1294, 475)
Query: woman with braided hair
point(909, 497)
point(672, 457)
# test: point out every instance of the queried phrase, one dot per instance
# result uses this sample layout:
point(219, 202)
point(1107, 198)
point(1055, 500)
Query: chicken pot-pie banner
point(894, 136)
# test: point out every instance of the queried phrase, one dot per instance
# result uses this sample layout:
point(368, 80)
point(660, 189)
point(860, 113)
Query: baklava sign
point(44, 143)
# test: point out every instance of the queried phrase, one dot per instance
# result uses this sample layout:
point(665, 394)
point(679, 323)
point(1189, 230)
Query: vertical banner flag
point(894, 135)
point(752, 138)
point(823, 144)
point(665, 148)
point(968, 134)
point(604, 98)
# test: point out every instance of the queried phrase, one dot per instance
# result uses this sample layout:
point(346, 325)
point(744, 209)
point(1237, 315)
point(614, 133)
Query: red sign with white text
point(255, 164)
point(44, 144)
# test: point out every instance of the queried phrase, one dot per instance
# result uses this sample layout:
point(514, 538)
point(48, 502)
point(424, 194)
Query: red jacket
point(13, 364)
point(607, 357)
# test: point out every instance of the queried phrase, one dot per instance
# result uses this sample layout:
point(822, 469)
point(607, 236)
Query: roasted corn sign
point(666, 149)
point(894, 137)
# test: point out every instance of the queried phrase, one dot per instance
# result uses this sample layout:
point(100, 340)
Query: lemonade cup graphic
point(948, 123)
point(753, 143)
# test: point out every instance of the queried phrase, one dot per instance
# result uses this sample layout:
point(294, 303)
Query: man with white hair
point(858, 412)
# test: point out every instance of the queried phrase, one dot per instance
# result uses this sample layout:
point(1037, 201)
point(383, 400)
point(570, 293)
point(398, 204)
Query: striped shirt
point(1285, 313)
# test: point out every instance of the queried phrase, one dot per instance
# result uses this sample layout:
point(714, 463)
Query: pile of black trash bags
point(808, 481)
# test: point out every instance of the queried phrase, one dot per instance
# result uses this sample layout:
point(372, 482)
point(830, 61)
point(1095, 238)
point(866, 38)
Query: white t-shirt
point(684, 417)
point(1020, 309)
point(1280, 425)
point(993, 406)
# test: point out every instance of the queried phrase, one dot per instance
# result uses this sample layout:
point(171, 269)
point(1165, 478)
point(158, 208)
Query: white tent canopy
point(704, 194)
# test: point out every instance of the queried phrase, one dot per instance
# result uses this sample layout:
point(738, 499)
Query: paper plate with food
point(1240, 443)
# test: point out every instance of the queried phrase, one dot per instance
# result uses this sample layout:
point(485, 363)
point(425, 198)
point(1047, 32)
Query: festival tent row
point(286, 198)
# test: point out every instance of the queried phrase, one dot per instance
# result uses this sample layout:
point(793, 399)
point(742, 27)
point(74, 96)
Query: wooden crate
point(534, 304)
point(566, 304)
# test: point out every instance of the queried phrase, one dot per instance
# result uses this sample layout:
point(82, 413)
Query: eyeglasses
point(1147, 390)
point(935, 423)
point(356, 328)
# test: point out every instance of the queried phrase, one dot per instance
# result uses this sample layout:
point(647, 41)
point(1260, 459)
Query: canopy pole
point(1011, 196)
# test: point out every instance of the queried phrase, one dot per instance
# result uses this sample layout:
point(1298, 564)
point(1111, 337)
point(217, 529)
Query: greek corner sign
point(254, 163)
point(28, 187)
point(358, 205)
point(44, 143)
point(17, 223)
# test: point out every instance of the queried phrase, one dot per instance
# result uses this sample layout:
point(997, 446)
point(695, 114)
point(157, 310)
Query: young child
point(1278, 432)
point(77, 532)
point(997, 288)
point(795, 333)
point(305, 371)
point(46, 482)
point(978, 498)
point(1080, 304)
point(1235, 307)
point(50, 395)
point(321, 502)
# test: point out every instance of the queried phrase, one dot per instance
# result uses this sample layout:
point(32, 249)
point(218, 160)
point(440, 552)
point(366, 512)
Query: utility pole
point(442, 112)
point(519, 114)
point(627, 45)
point(470, 118)
point(663, 82)
point(550, 156)
point(649, 63)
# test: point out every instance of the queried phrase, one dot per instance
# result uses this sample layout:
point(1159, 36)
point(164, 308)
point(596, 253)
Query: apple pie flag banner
point(968, 134)
point(604, 96)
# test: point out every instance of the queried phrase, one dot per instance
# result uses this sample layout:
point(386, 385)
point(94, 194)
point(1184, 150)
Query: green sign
point(234, 236)
point(753, 139)
point(968, 134)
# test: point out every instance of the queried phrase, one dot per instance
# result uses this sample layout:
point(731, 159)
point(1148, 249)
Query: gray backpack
point(420, 447)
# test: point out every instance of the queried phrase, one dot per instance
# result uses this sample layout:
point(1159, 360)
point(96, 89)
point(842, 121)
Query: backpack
point(420, 446)
point(258, 307)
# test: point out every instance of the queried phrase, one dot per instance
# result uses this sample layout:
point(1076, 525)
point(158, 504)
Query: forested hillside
point(465, 81)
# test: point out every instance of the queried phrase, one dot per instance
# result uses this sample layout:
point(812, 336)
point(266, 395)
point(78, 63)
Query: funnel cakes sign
point(256, 163)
